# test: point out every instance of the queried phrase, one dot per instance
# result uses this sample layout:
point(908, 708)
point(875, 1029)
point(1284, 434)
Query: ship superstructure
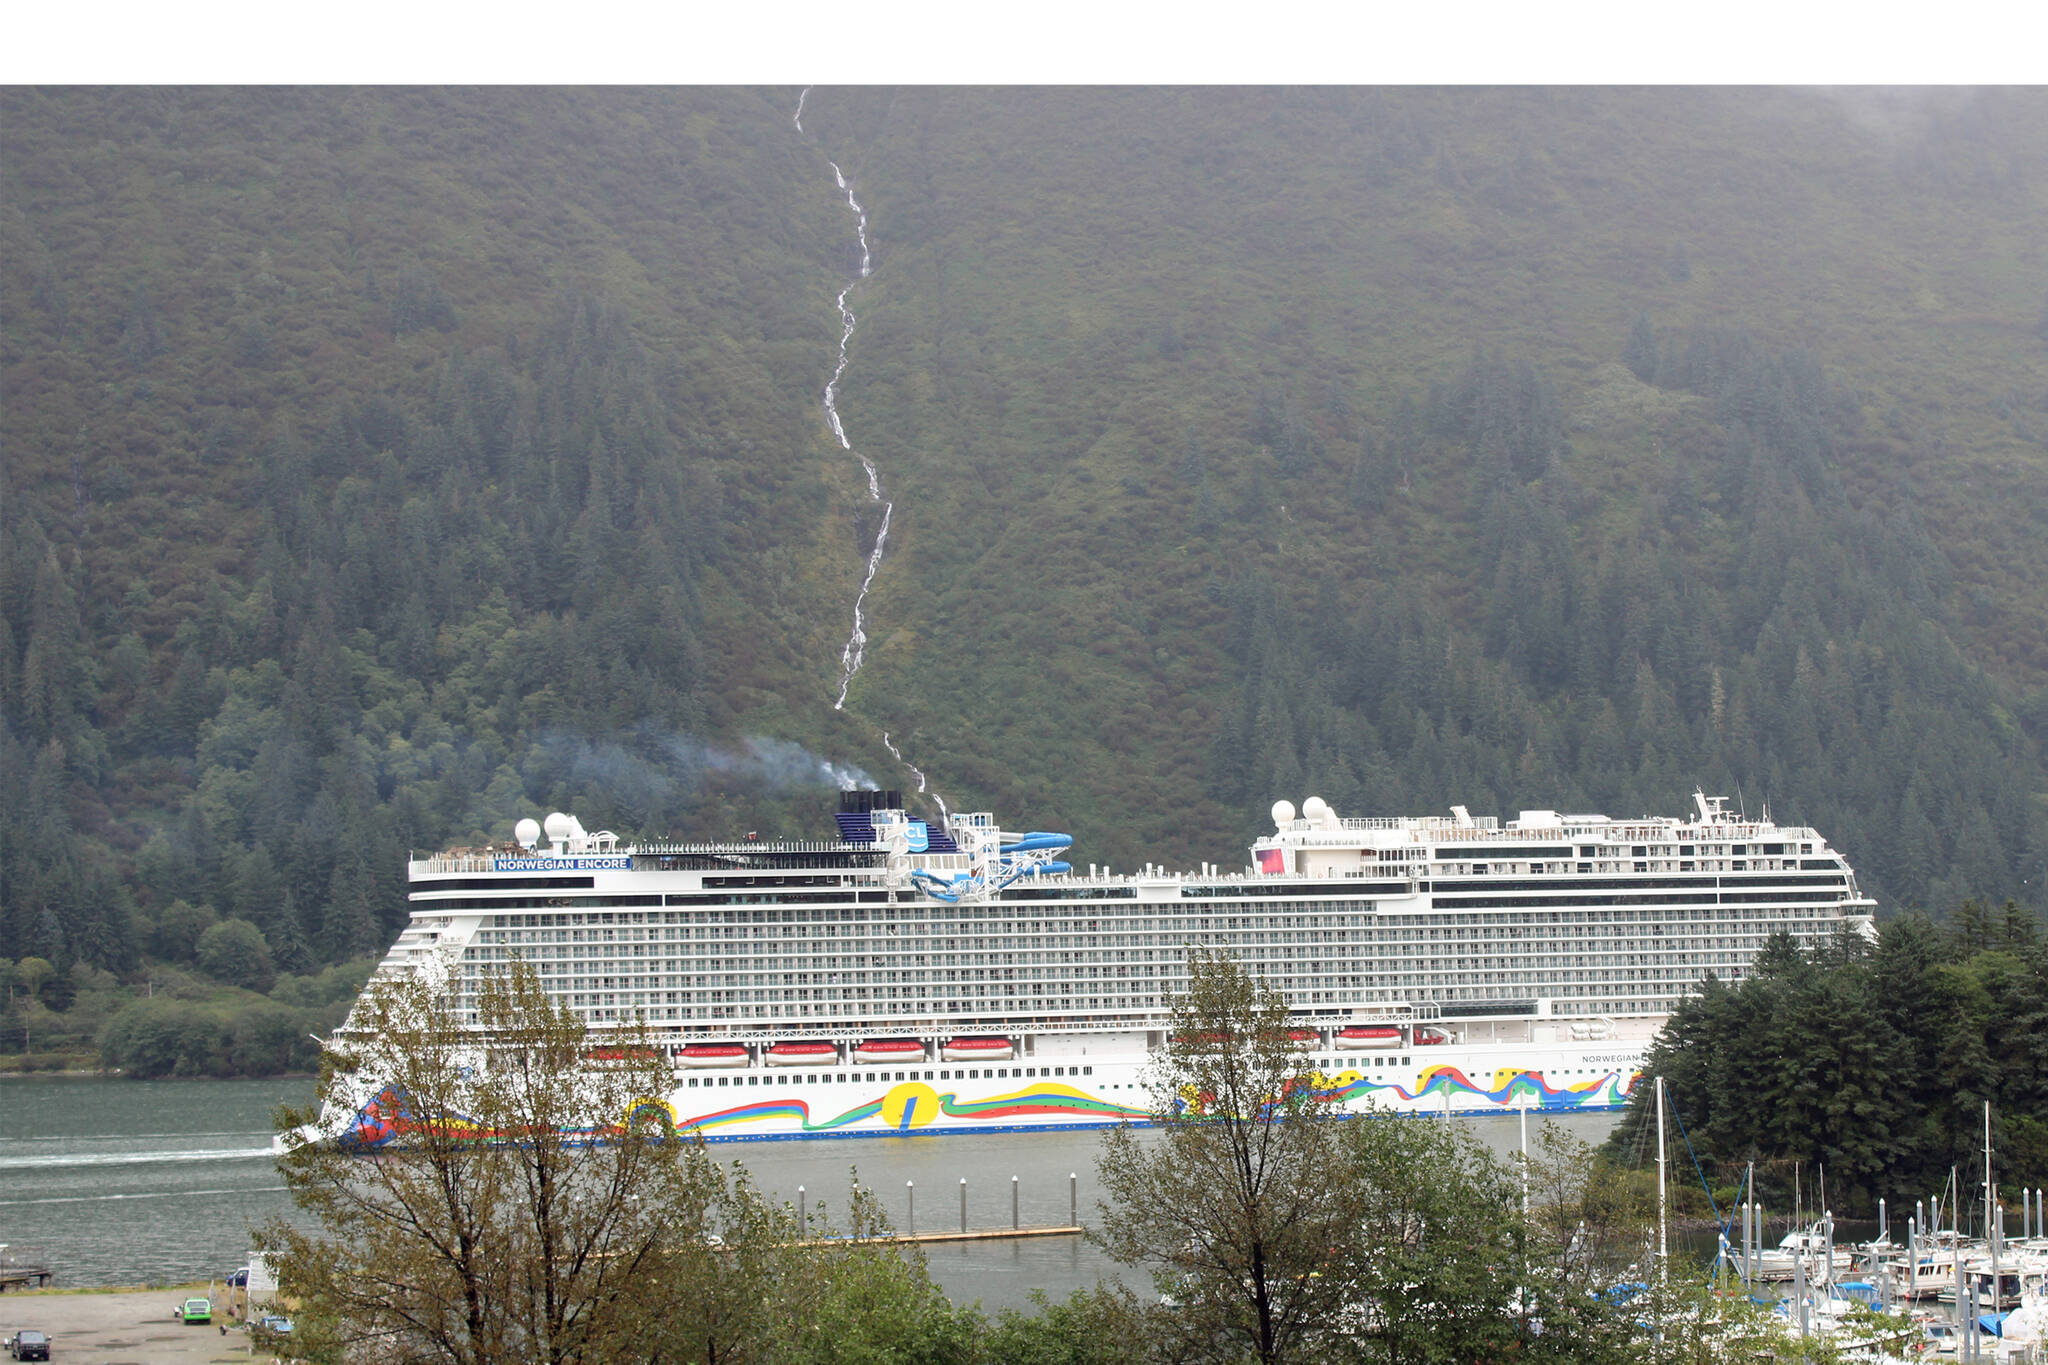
point(924, 975)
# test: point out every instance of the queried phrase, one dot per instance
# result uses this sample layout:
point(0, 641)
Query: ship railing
point(754, 1033)
point(1400, 824)
point(661, 846)
point(443, 862)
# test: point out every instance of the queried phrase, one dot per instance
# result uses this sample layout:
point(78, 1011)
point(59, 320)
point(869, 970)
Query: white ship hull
point(1108, 1087)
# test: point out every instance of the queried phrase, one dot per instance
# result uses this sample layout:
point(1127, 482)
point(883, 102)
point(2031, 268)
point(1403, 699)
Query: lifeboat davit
point(1363, 1037)
point(1431, 1037)
point(699, 1055)
point(977, 1050)
point(889, 1050)
point(802, 1054)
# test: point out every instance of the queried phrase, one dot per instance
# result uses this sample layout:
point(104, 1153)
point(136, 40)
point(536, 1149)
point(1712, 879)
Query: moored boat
point(1365, 1037)
point(977, 1050)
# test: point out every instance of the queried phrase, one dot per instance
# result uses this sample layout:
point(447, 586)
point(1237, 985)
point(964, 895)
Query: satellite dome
point(1283, 813)
point(558, 827)
point(527, 832)
point(1315, 809)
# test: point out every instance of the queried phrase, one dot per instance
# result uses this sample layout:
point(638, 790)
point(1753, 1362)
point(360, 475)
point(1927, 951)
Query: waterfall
point(851, 656)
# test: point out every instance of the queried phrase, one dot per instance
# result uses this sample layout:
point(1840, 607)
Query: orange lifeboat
point(801, 1054)
point(1431, 1037)
point(1368, 1037)
point(875, 1050)
point(702, 1055)
point(977, 1050)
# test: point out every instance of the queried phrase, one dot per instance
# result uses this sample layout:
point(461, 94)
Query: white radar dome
point(558, 827)
point(1316, 809)
point(527, 832)
point(1283, 812)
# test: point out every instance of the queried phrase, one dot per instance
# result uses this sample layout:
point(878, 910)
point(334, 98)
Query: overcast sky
point(761, 42)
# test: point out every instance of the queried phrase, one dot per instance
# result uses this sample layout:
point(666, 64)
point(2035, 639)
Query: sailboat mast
point(1987, 1170)
point(1663, 1244)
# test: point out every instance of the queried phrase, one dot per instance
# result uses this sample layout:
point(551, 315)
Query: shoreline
point(118, 1074)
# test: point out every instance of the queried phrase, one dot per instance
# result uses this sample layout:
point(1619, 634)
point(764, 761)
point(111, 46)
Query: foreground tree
point(1237, 1197)
point(512, 1192)
point(854, 1296)
point(1436, 1268)
point(1276, 1231)
point(525, 1192)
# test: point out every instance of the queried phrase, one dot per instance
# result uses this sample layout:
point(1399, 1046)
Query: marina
point(1941, 1291)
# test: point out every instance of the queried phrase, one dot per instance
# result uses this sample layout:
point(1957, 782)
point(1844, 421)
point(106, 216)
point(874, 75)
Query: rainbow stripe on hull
point(796, 1111)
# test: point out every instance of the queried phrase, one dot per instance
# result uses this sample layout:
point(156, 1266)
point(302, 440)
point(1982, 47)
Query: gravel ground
point(127, 1327)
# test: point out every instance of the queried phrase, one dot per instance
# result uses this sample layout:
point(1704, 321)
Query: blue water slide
point(1032, 842)
point(942, 888)
point(1048, 870)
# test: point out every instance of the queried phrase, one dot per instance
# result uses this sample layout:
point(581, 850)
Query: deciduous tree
point(524, 1195)
point(1236, 1199)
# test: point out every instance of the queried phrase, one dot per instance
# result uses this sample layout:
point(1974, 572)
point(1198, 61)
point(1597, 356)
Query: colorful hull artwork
point(387, 1120)
point(916, 1107)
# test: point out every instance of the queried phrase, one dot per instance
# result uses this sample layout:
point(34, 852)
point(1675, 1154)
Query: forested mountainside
point(1547, 448)
point(383, 465)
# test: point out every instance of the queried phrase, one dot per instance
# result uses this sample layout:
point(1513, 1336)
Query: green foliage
point(361, 544)
point(868, 1302)
point(30, 973)
point(178, 929)
point(1618, 676)
point(458, 1249)
point(1871, 1061)
point(163, 1037)
point(1016, 394)
point(1088, 1327)
point(234, 952)
point(1276, 1231)
point(1229, 1206)
point(456, 1245)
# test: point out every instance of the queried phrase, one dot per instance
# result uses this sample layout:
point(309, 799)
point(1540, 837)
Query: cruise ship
point(919, 976)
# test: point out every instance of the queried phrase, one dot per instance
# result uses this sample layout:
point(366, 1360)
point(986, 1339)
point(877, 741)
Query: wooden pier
point(23, 1268)
point(982, 1235)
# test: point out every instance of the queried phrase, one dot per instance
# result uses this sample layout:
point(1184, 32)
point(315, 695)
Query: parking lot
point(130, 1327)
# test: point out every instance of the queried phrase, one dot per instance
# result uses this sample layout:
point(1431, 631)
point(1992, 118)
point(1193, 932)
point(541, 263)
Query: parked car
point(194, 1312)
point(29, 1345)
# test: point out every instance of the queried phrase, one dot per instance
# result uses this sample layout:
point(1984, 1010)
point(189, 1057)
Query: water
point(158, 1182)
point(139, 1182)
